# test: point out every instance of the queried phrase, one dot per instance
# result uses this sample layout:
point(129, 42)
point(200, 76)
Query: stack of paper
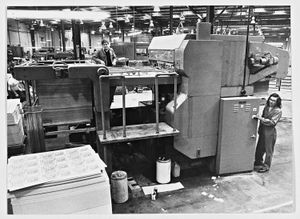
point(15, 131)
point(59, 182)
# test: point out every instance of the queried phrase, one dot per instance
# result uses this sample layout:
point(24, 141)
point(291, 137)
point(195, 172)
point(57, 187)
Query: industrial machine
point(203, 96)
point(213, 71)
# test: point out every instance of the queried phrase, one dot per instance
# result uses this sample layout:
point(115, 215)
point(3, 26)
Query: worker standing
point(105, 55)
point(267, 133)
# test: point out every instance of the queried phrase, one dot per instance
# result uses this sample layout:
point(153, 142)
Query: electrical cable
point(243, 91)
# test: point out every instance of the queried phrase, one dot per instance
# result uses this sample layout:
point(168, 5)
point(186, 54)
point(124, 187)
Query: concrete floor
point(252, 192)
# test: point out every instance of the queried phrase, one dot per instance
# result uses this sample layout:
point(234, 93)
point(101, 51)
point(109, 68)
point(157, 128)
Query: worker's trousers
point(265, 145)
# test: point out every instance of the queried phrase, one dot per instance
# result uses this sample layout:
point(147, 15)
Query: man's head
point(274, 100)
point(105, 44)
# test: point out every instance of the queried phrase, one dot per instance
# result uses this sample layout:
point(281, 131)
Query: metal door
point(237, 134)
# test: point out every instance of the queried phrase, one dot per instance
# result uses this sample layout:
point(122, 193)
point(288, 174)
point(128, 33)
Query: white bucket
point(163, 171)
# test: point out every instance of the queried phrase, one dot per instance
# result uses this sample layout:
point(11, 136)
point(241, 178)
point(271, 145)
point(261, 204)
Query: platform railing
point(123, 102)
point(175, 75)
point(101, 77)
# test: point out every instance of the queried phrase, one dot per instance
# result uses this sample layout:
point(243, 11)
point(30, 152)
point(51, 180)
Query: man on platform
point(105, 55)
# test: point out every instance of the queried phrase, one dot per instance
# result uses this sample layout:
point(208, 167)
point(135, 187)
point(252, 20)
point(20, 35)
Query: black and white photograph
point(153, 108)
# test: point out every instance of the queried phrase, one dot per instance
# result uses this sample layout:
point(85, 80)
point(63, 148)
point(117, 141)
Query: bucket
point(163, 170)
point(119, 186)
point(175, 169)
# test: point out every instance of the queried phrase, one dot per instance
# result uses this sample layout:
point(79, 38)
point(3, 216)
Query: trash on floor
point(162, 188)
point(204, 193)
point(219, 199)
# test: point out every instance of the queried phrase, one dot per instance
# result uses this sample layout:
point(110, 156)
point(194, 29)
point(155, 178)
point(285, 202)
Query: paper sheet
point(162, 188)
point(33, 169)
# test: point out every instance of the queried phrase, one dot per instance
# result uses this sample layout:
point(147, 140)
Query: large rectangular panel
point(197, 120)
point(203, 66)
point(237, 134)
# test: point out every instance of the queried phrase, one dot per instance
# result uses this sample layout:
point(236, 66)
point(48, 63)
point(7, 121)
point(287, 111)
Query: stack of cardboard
point(15, 131)
point(69, 181)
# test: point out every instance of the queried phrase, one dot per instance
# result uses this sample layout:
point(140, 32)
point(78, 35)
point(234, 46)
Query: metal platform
point(136, 132)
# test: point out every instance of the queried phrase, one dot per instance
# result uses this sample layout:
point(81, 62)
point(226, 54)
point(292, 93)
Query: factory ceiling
point(271, 21)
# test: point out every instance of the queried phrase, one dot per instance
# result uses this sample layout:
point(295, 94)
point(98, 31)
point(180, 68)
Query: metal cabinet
point(237, 134)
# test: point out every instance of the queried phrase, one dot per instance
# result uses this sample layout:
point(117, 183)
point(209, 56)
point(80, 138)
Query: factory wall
point(18, 34)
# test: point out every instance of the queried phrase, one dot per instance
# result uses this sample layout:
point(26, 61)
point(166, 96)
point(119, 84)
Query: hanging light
point(151, 23)
point(182, 18)
point(156, 9)
point(52, 29)
point(93, 32)
point(132, 28)
point(103, 27)
point(111, 25)
point(81, 22)
point(127, 20)
point(253, 20)
point(42, 23)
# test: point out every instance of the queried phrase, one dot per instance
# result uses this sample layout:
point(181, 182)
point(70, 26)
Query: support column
point(76, 40)
point(63, 39)
point(90, 37)
point(210, 16)
point(171, 20)
point(32, 41)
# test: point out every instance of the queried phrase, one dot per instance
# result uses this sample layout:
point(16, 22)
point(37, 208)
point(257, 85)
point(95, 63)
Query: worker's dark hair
point(278, 101)
point(104, 41)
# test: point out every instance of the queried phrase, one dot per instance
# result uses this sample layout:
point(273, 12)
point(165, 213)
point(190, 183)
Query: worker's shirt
point(108, 58)
point(271, 118)
point(103, 55)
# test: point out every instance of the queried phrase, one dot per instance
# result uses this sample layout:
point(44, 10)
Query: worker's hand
point(255, 117)
point(114, 62)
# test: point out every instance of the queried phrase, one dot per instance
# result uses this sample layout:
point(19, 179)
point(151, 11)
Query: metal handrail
point(175, 75)
point(123, 102)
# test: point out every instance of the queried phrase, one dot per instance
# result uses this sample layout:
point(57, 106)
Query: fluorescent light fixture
point(134, 33)
point(224, 12)
point(243, 13)
point(156, 14)
point(259, 10)
point(51, 14)
point(279, 12)
point(187, 13)
point(110, 25)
